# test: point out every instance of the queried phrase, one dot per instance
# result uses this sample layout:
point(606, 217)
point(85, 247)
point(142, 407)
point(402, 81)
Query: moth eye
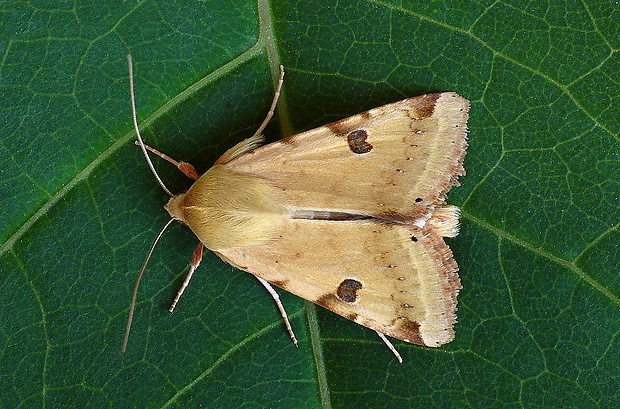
point(347, 290)
point(418, 199)
point(414, 239)
point(357, 141)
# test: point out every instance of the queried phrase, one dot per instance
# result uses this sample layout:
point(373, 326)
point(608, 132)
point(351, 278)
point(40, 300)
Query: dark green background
point(539, 313)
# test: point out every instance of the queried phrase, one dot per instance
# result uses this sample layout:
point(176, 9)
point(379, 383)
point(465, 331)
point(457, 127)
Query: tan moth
point(350, 215)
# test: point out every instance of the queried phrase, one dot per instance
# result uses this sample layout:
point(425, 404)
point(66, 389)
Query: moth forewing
point(378, 277)
point(414, 155)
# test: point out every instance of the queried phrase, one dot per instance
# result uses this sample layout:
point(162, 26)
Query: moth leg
point(391, 346)
point(196, 259)
point(276, 298)
point(187, 169)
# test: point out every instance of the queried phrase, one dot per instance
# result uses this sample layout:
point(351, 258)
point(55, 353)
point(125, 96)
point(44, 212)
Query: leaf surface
point(540, 307)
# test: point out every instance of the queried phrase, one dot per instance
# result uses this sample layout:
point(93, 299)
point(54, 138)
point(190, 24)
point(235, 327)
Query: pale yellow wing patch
point(399, 280)
point(394, 160)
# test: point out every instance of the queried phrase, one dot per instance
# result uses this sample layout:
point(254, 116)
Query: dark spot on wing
point(357, 141)
point(352, 316)
point(280, 283)
point(411, 330)
point(425, 108)
point(347, 290)
point(339, 127)
point(327, 301)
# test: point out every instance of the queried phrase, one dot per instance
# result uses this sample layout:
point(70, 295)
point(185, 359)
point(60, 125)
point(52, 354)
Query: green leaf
point(539, 313)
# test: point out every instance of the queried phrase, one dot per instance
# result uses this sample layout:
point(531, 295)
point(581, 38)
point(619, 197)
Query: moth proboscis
point(350, 215)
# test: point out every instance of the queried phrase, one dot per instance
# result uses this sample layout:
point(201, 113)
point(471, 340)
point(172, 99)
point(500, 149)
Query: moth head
point(175, 207)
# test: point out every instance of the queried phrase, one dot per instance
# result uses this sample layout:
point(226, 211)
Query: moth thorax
point(175, 207)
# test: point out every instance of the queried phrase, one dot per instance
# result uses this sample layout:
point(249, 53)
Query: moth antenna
point(390, 345)
point(272, 109)
point(134, 297)
point(135, 125)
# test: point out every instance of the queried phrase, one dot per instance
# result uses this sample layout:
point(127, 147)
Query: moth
point(351, 216)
